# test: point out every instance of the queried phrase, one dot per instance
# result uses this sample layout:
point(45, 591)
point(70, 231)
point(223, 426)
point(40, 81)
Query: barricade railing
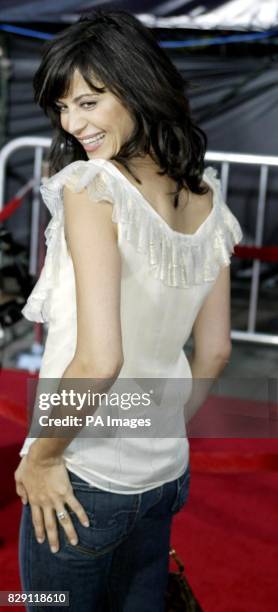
point(263, 162)
point(38, 144)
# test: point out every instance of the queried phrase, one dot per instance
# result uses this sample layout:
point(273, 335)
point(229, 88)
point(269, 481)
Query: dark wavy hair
point(123, 54)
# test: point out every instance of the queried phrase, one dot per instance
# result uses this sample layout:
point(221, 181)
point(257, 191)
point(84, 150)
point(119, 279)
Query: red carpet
point(228, 539)
point(226, 536)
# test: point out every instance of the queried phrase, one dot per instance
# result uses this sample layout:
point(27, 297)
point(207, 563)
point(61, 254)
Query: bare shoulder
point(197, 208)
point(202, 203)
point(81, 208)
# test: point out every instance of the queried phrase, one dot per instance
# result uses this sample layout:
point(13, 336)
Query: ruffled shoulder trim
point(176, 259)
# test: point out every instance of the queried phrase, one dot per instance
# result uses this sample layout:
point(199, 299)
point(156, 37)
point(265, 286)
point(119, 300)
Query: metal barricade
point(264, 162)
point(224, 159)
point(38, 144)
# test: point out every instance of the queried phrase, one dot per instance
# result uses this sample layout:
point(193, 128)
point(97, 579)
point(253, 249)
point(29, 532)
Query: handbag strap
point(180, 565)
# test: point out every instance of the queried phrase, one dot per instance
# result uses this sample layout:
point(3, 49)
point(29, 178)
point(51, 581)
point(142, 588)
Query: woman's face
point(98, 120)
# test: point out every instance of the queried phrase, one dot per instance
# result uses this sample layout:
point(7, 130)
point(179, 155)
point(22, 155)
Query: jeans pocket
point(182, 491)
point(111, 518)
point(79, 483)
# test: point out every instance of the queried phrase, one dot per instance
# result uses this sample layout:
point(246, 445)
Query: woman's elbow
point(116, 368)
point(93, 368)
point(219, 362)
point(214, 357)
point(222, 353)
point(108, 371)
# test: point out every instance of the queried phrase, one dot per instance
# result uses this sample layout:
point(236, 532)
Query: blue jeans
point(121, 561)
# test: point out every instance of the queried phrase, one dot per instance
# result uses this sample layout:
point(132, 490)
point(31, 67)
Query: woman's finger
point(21, 491)
point(65, 522)
point(75, 505)
point(50, 522)
point(38, 523)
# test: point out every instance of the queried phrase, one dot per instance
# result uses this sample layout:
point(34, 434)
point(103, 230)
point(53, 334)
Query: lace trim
point(179, 260)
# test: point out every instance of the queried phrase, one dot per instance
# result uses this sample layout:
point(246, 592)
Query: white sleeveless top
point(166, 276)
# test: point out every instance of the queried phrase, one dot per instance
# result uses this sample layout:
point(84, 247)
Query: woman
point(138, 258)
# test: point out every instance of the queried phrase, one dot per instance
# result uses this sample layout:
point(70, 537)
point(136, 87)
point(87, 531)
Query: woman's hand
point(47, 487)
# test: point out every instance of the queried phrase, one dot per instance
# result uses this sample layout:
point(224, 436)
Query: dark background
point(233, 96)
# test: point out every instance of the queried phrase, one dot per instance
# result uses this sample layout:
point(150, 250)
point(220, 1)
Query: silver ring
point(61, 515)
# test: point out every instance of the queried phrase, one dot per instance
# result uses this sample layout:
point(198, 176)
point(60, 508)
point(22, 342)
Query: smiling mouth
point(93, 139)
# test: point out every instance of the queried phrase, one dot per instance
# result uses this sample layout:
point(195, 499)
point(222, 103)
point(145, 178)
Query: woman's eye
point(88, 104)
point(59, 109)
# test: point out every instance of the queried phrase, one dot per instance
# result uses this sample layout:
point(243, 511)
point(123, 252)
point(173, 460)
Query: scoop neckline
point(149, 206)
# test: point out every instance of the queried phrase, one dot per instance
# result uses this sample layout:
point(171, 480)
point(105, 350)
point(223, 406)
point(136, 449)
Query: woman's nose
point(75, 124)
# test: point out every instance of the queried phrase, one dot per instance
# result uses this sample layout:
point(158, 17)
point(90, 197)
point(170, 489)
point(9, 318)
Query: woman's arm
point(41, 477)
point(212, 343)
point(92, 242)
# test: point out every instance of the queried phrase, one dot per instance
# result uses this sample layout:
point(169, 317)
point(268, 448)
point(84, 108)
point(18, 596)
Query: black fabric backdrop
point(30, 10)
point(233, 98)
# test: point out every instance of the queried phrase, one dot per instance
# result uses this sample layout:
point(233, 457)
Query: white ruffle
point(178, 260)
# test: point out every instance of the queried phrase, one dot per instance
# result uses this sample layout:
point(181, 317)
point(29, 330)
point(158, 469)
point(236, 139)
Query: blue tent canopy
point(196, 14)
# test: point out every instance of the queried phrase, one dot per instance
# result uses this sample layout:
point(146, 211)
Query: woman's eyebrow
point(93, 93)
